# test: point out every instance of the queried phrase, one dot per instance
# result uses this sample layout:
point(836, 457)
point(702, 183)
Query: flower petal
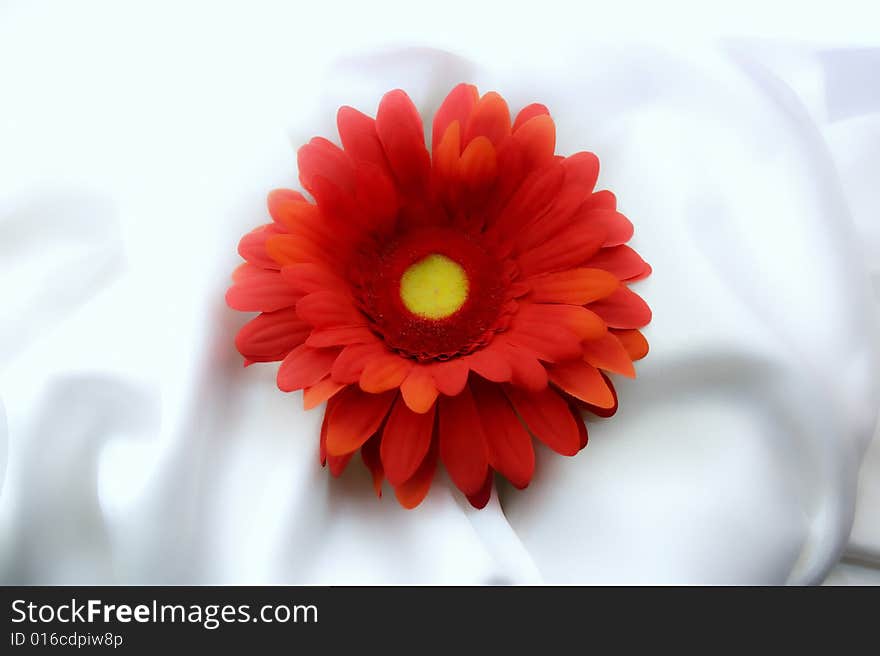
point(633, 341)
point(272, 335)
point(582, 381)
point(508, 444)
point(617, 228)
point(477, 166)
point(479, 499)
point(575, 244)
point(451, 376)
point(406, 439)
point(582, 169)
point(418, 389)
point(384, 372)
point(252, 246)
point(324, 390)
point(373, 461)
point(304, 366)
point(313, 277)
point(622, 261)
point(623, 309)
point(528, 112)
point(354, 418)
point(537, 141)
point(340, 336)
point(573, 286)
point(489, 118)
point(548, 417)
point(609, 354)
point(411, 493)
point(323, 158)
point(352, 360)
point(357, 131)
point(327, 309)
point(581, 321)
point(260, 290)
point(490, 363)
point(456, 107)
point(400, 130)
point(462, 442)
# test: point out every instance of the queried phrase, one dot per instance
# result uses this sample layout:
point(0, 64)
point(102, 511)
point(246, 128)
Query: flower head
point(447, 305)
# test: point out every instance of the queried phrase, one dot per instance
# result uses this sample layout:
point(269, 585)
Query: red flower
point(447, 305)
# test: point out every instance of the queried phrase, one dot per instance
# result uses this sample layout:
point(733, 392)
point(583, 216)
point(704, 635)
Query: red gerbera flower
point(446, 305)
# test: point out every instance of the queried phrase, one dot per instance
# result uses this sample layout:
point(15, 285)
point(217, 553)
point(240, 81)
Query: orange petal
point(405, 441)
point(583, 381)
point(351, 362)
point(478, 167)
point(418, 389)
point(462, 442)
point(289, 208)
point(573, 287)
point(384, 372)
point(355, 416)
point(633, 341)
point(537, 140)
point(489, 118)
point(623, 309)
point(548, 417)
point(581, 321)
point(293, 249)
point(526, 371)
point(608, 353)
point(411, 493)
point(324, 390)
point(490, 363)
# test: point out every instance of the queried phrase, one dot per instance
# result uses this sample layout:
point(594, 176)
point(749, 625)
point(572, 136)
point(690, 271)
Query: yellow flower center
point(435, 287)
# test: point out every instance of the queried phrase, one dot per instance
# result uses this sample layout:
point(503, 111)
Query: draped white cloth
point(137, 145)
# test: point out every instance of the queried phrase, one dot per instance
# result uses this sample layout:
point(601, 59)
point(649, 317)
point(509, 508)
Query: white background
point(137, 143)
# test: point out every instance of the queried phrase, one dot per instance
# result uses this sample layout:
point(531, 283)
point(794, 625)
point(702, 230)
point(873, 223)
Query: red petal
point(322, 158)
point(418, 390)
point(528, 112)
point(304, 366)
point(548, 418)
point(456, 107)
point(326, 309)
point(338, 464)
point(573, 287)
point(324, 390)
point(384, 372)
point(340, 336)
point(574, 245)
point(294, 249)
point(508, 444)
point(490, 363)
point(608, 353)
point(260, 290)
point(371, 458)
point(462, 443)
point(351, 362)
point(602, 199)
point(357, 131)
point(405, 441)
point(271, 336)
point(583, 436)
point(526, 371)
point(583, 381)
point(451, 376)
point(600, 411)
point(617, 228)
point(622, 261)
point(537, 141)
point(633, 341)
point(376, 197)
point(311, 277)
point(534, 196)
point(582, 169)
point(252, 246)
point(532, 334)
point(623, 309)
point(400, 130)
point(355, 416)
point(289, 209)
point(482, 496)
point(413, 492)
point(489, 118)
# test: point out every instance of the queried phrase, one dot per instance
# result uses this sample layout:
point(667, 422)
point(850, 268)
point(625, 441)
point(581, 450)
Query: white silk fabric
point(135, 151)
